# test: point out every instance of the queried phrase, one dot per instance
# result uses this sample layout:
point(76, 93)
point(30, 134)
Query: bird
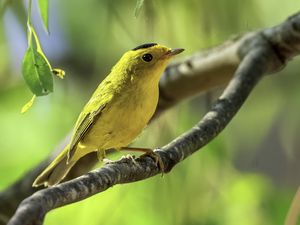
point(117, 112)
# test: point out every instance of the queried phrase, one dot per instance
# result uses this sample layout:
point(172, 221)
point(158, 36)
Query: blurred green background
point(247, 175)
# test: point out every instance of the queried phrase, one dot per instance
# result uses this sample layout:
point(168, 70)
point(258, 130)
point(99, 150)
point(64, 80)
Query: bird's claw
point(130, 158)
point(156, 157)
point(107, 161)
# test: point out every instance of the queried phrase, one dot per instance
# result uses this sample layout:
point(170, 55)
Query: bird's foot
point(156, 157)
point(129, 157)
point(107, 161)
point(124, 158)
point(148, 152)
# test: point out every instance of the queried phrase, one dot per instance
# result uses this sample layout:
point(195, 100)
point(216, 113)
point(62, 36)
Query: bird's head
point(148, 59)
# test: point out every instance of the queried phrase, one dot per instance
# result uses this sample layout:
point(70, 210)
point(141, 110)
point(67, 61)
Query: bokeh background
point(247, 175)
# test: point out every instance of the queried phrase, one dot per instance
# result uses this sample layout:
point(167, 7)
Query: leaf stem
point(29, 12)
point(29, 31)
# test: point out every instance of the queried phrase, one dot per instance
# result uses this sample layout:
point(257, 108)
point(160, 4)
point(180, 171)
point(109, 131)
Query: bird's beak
point(173, 52)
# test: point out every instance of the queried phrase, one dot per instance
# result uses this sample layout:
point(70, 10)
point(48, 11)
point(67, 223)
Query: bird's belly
point(121, 123)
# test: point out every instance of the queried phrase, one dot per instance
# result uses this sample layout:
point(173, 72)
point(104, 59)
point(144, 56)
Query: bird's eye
point(147, 57)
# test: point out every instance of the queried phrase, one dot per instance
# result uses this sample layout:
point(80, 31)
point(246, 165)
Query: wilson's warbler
point(118, 110)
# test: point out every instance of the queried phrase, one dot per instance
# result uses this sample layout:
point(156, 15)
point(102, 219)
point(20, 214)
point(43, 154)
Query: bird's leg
point(149, 152)
point(102, 157)
point(101, 154)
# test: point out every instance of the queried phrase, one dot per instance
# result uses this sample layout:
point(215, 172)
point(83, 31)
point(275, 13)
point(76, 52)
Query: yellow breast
point(124, 117)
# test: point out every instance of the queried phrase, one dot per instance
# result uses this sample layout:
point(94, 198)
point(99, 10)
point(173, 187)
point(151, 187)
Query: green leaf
point(138, 7)
point(37, 72)
point(28, 105)
point(43, 6)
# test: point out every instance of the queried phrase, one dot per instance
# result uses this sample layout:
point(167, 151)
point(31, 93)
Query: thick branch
point(264, 51)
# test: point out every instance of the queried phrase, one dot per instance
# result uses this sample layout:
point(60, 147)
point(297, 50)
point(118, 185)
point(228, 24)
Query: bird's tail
point(56, 171)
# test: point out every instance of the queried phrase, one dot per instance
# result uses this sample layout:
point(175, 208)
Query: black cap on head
point(148, 45)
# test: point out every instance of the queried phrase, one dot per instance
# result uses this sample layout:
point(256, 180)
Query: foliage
point(36, 68)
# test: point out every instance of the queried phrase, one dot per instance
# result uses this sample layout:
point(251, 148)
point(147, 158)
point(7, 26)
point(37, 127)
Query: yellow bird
point(118, 110)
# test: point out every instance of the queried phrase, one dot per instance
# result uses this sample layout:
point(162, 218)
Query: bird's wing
point(91, 113)
point(84, 123)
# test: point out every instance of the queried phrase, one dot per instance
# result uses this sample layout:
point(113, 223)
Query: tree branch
point(260, 52)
